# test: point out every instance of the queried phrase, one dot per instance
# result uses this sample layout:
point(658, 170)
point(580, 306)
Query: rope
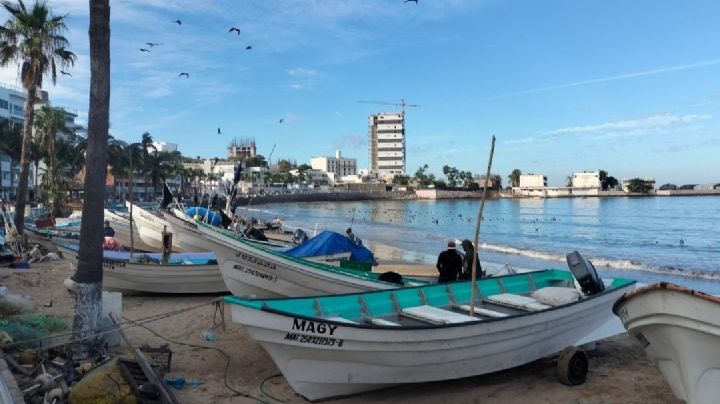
point(220, 351)
point(264, 391)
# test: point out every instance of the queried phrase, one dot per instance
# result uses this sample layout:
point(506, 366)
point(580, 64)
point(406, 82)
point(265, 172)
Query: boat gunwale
point(659, 286)
point(371, 326)
point(127, 261)
point(363, 275)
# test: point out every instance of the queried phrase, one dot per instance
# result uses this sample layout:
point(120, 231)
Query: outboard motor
point(585, 273)
point(299, 236)
point(255, 234)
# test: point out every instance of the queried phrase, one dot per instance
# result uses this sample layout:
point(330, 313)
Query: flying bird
point(281, 120)
point(144, 50)
point(248, 47)
point(234, 29)
point(64, 73)
point(178, 22)
point(219, 131)
point(187, 75)
point(151, 44)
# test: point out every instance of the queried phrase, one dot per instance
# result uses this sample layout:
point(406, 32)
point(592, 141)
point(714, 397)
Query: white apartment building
point(12, 108)
point(340, 166)
point(533, 181)
point(387, 151)
point(586, 179)
point(165, 147)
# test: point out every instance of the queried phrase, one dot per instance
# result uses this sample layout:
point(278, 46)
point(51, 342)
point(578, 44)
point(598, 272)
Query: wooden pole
point(130, 192)
point(477, 230)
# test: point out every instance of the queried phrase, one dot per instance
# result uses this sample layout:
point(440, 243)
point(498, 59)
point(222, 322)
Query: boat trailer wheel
point(572, 366)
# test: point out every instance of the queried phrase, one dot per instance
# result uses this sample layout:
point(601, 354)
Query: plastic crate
point(357, 265)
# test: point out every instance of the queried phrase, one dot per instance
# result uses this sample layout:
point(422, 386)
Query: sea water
point(675, 239)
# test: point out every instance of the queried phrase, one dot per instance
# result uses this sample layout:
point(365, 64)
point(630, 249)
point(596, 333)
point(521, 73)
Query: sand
point(619, 369)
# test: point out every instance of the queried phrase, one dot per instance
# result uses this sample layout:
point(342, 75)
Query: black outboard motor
point(585, 273)
point(299, 236)
point(255, 234)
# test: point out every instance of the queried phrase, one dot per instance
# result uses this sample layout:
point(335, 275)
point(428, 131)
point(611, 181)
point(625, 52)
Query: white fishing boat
point(251, 269)
point(146, 273)
point(679, 329)
point(120, 222)
point(333, 346)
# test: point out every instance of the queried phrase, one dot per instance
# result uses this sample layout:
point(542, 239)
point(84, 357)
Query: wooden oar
point(477, 231)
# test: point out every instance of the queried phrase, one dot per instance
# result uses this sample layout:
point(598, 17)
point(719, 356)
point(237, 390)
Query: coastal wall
point(445, 194)
point(687, 192)
point(326, 197)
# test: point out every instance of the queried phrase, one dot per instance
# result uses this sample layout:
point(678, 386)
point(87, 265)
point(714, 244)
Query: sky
point(630, 87)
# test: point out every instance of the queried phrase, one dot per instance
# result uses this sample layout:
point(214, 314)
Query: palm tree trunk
point(89, 274)
point(25, 159)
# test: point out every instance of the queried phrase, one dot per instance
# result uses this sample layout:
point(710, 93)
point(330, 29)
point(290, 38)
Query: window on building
point(4, 104)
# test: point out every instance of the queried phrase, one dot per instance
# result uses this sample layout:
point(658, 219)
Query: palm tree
point(514, 178)
point(89, 273)
point(51, 121)
point(33, 39)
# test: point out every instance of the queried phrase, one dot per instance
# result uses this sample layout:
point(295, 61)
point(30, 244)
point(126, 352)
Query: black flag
point(238, 170)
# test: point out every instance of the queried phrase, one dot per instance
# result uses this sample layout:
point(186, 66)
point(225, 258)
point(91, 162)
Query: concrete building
point(533, 181)
point(165, 147)
point(586, 180)
point(12, 108)
point(242, 148)
point(387, 151)
point(338, 165)
point(649, 181)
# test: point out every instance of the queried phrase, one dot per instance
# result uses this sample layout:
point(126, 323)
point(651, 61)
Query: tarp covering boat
point(328, 243)
point(213, 218)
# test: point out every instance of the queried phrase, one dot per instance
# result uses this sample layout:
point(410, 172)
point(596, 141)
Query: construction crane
point(402, 104)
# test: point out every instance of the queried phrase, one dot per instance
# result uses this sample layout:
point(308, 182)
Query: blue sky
point(627, 86)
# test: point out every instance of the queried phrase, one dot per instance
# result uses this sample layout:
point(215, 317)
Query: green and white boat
point(334, 346)
point(253, 270)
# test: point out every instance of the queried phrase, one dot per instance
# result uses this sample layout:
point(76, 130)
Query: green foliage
point(638, 185)
point(514, 178)
point(665, 187)
point(401, 180)
point(606, 181)
point(256, 161)
point(423, 178)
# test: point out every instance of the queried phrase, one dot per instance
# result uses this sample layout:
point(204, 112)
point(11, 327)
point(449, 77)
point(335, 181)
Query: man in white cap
point(449, 264)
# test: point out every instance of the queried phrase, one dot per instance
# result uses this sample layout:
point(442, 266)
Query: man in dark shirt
point(107, 230)
point(449, 264)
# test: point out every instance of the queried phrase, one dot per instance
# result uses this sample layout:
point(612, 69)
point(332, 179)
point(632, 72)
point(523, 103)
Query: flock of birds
point(186, 75)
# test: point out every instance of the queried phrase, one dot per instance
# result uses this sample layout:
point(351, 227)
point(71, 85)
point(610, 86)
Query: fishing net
point(31, 327)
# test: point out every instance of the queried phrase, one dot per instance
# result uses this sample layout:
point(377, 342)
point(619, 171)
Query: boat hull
point(330, 359)
point(680, 332)
point(252, 271)
point(120, 275)
point(121, 225)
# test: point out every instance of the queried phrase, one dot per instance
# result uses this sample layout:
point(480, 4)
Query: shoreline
point(619, 370)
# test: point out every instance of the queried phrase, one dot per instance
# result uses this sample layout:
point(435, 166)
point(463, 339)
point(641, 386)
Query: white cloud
point(625, 76)
point(520, 141)
point(302, 72)
point(638, 126)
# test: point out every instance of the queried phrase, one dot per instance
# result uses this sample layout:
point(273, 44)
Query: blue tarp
point(329, 242)
point(213, 217)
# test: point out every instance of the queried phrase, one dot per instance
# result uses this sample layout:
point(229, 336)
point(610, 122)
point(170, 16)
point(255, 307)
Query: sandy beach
point(619, 370)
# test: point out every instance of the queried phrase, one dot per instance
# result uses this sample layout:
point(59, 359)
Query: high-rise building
point(387, 144)
point(242, 148)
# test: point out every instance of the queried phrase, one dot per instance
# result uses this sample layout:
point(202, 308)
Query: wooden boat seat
point(435, 315)
point(481, 311)
point(383, 322)
point(518, 301)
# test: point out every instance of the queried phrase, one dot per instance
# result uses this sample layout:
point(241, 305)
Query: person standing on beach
point(107, 230)
point(355, 239)
point(449, 264)
point(468, 261)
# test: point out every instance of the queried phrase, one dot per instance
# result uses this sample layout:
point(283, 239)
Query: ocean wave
point(615, 264)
